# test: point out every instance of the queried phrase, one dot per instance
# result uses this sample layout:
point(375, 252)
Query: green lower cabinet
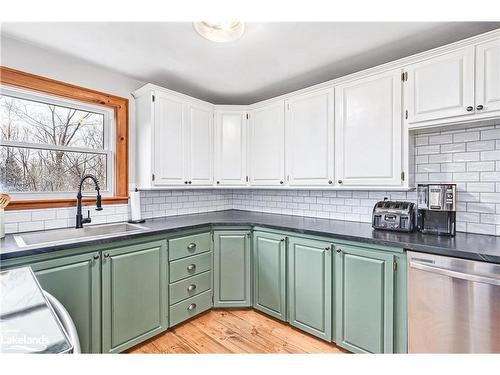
point(310, 286)
point(364, 296)
point(134, 294)
point(76, 282)
point(232, 268)
point(269, 275)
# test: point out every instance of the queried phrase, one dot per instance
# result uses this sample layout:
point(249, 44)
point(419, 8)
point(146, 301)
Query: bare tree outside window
point(47, 148)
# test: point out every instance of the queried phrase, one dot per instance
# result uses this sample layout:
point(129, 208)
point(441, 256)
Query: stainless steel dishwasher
point(453, 305)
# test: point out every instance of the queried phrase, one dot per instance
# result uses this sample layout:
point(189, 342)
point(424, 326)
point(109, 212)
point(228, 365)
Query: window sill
point(56, 203)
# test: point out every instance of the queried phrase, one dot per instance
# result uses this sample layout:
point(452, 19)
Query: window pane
point(35, 122)
point(32, 170)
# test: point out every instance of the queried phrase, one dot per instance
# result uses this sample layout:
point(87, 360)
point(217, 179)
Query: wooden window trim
point(16, 78)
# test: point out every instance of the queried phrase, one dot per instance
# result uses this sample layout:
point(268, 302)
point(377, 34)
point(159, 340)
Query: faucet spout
point(79, 217)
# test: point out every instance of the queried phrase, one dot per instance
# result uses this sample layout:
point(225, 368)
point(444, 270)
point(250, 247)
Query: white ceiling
point(270, 59)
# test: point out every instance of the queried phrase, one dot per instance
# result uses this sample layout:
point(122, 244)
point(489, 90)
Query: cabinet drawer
point(189, 287)
point(190, 245)
point(188, 308)
point(186, 267)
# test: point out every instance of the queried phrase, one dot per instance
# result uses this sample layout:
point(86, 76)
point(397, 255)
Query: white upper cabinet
point(488, 77)
point(169, 140)
point(200, 145)
point(267, 145)
point(368, 131)
point(174, 140)
point(309, 139)
point(230, 148)
point(441, 87)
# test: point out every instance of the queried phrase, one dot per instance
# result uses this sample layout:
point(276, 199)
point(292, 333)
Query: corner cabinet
point(442, 86)
point(310, 286)
point(459, 86)
point(231, 148)
point(174, 140)
point(267, 145)
point(365, 298)
point(269, 275)
point(488, 77)
point(232, 268)
point(309, 139)
point(368, 131)
point(76, 282)
point(134, 294)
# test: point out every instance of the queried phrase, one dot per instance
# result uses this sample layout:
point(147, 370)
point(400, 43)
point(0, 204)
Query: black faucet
point(79, 217)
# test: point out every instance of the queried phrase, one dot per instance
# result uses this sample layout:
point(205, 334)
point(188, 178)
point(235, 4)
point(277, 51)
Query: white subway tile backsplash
point(490, 134)
point(466, 156)
point(481, 146)
point(490, 155)
point(481, 166)
point(469, 157)
point(453, 147)
point(466, 136)
point(29, 226)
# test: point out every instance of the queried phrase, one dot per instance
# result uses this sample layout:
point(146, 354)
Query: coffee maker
point(436, 209)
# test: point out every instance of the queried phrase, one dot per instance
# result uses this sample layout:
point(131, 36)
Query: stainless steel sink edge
point(88, 232)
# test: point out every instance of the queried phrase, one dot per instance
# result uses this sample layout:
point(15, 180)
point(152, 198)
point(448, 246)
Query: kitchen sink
point(61, 236)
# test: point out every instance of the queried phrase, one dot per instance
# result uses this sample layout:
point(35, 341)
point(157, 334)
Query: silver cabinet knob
point(281, 182)
point(106, 255)
point(479, 107)
point(191, 267)
point(191, 287)
point(96, 257)
point(469, 108)
point(191, 246)
point(330, 182)
point(339, 181)
point(339, 250)
point(191, 307)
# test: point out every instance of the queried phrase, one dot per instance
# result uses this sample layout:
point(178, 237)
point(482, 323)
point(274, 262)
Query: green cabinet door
point(310, 286)
point(76, 282)
point(269, 275)
point(232, 268)
point(364, 299)
point(134, 294)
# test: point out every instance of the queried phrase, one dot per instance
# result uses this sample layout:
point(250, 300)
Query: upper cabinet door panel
point(442, 87)
point(230, 148)
point(200, 160)
point(368, 125)
point(267, 145)
point(309, 137)
point(488, 77)
point(169, 140)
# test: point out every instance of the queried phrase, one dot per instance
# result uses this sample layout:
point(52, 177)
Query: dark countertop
point(27, 323)
point(463, 245)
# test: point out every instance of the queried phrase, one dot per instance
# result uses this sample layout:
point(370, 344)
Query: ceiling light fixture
point(220, 31)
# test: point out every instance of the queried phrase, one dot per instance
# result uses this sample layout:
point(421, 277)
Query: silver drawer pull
point(191, 307)
point(191, 267)
point(191, 246)
point(191, 287)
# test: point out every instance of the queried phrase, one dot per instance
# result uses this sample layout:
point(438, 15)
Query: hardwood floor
point(234, 331)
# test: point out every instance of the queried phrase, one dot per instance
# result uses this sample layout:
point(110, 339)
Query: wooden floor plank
point(294, 336)
point(234, 331)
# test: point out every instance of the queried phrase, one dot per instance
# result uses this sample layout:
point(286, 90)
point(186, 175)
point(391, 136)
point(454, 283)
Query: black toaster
point(394, 215)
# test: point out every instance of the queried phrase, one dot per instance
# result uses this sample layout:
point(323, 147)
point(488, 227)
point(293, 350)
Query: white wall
point(23, 56)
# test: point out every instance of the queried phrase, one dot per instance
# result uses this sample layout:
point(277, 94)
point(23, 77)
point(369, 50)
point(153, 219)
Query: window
point(48, 144)
point(52, 133)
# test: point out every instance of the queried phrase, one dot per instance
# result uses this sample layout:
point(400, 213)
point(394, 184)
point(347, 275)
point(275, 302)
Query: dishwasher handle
point(456, 274)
